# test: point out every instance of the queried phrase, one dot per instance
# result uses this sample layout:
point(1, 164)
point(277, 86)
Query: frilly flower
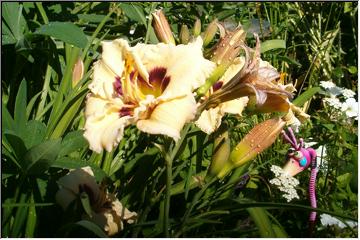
point(106, 210)
point(147, 85)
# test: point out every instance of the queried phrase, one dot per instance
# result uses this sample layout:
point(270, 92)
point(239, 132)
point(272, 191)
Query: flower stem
point(169, 157)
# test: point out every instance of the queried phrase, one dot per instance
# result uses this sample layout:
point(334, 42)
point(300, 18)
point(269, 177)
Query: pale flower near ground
point(147, 85)
point(327, 220)
point(106, 210)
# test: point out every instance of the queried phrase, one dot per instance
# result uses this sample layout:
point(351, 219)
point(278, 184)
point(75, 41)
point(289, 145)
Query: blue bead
point(303, 162)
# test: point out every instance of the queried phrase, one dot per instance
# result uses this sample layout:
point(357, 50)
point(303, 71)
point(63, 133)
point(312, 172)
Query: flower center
point(132, 88)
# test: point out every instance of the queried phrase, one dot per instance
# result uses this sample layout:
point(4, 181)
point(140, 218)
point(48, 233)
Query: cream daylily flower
point(107, 211)
point(147, 85)
point(210, 119)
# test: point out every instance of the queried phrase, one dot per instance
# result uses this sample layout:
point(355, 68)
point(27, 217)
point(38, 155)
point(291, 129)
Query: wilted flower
point(106, 210)
point(285, 183)
point(210, 119)
point(256, 80)
point(147, 85)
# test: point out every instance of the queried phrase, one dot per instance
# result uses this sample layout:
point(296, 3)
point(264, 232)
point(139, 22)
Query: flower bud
point(197, 28)
point(162, 28)
point(256, 141)
point(221, 153)
point(78, 72)
point(184, 34)
point(210, 32)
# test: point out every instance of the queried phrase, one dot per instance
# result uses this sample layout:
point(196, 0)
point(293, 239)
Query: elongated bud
point(162, 27)
point(184, 34)
point(78, 72)
point(210, 32)
point(221, 153)
point(256, 141)
point(197, 28)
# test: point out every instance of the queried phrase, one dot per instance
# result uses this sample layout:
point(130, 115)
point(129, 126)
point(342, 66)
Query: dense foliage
point(43, 121)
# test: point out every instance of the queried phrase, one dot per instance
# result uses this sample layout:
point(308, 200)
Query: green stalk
point(168, 161)
point(148, 27)
point(96, 32)
point(42, 12)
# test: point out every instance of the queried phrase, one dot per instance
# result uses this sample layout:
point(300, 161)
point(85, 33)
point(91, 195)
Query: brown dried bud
point(162, 28)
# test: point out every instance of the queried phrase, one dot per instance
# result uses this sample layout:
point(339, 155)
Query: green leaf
point(85, 202)
point(72, 142)
point(64, 31)
point(272, 44)
point(20, 217)
point(134, 12)
point(92, 227)
point(7, 120)
point(20, 108)
point(70, 163)
point(306, 96)
point(39, 158)
point(14, 20)
point(95, 18)
point(262, 221)
point(31, 220)
point(31, 104)
point(34, 133)
point(17, 145)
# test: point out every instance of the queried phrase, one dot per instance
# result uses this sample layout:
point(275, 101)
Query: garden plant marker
point(299, 159)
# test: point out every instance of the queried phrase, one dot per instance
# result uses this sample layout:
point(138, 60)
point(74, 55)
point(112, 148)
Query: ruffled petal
point(235, 106)
point(210, 120)
point(103, 80)
point(185, 64)
point(104, 127)
point(168, 118)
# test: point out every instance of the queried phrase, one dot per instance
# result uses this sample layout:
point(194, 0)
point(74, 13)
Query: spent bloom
point(147, 85)
point(285, 183)
point(106, 210)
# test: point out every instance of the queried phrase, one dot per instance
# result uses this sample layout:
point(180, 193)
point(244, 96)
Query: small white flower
point(333, 102)
point(327, 84)
point(350, 107)
point(285, 183)
point(347, 93)
point(327, 220)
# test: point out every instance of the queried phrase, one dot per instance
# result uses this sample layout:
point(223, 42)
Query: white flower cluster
point(285, 183)
point(349, 107)
point(327, 220)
